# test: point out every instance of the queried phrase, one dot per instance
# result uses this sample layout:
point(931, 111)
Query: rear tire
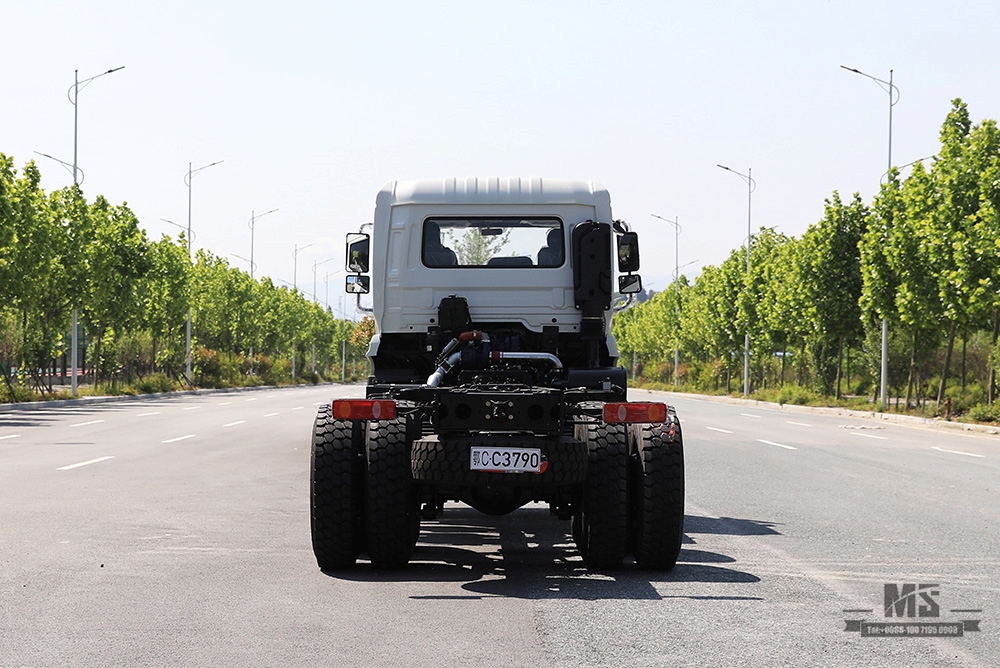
point(658, 494)
point(603, 518)
point(336, 487)
point(391, 511)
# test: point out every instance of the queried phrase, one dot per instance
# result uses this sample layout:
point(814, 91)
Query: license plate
point(506, 460)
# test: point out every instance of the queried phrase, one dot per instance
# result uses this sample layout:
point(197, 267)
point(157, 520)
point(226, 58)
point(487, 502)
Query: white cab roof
point(495, 190)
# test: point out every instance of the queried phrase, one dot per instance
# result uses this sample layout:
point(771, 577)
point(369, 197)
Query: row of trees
point(924, 255)
point(59, 252)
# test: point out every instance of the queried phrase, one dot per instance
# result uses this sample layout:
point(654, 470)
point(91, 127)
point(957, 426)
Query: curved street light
point(194, 235)
point(326, 280)
point(247, 260)
point(751, 186)
point(677, 288)
point(295, 281)
point(73, 94)
point(295, 262)
point(252, 223)
point(883, 180)
point(315, 265)
point(69, 167)
point(187, 181)
point(889, 87)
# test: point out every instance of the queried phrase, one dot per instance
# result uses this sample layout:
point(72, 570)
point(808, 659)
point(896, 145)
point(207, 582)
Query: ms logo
point(912, 600)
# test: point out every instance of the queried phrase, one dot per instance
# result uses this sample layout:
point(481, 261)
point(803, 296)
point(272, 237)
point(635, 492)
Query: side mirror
point(357, 254)
point(628, 252)
point(629, 284)
point(358, 285)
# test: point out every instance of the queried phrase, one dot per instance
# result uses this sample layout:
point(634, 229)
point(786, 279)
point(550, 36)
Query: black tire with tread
point(658, 494)
point(603, 521)
point(336, 491)
point(390, 509)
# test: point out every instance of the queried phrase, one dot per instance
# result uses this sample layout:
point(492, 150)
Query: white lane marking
point(224, 403)
point(84, 424)
point(799, 424)
point(956, 452)
point(145, 414)
point(786, 447)
point(724, 431)
point(3, 438)
point(297, 408)
point(233, 424)
point(76, 466)
point(270, 415)
point(179, 438)
point(190, 408)
point(251, 399)
point(319, 403)
point(881, 438)
point(756, 417)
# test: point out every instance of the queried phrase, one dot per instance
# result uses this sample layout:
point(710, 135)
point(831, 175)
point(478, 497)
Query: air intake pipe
point(435, 378)
point(499, 356)
point(448, 361)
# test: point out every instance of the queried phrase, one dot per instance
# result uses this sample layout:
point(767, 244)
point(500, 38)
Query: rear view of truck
point(494, 378)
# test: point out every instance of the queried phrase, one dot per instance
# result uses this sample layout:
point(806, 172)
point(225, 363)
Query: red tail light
point(364, 409)
point(635, 412)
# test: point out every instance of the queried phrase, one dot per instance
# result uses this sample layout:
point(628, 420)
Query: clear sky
point(313, 106)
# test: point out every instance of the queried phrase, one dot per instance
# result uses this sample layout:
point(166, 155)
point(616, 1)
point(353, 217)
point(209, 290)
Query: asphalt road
point(175, 532)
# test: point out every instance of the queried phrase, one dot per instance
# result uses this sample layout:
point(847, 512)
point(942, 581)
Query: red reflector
point(364, 409)
point(635, 412)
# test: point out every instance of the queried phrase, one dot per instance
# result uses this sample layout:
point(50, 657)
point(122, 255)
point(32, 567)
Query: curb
point(902, 420)
point(87, 401)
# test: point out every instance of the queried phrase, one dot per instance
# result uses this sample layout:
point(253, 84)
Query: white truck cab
point(504, 245)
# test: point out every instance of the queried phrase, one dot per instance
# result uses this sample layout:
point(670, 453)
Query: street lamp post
point(252, 224)
point(677, 288)
point(751, 186)
point(69, 167)
point(326, 281)
point(884, 178)
point(73, 94)
point(245, 259)
point(295, 263)
point(253, 265)
point(183, 228)
point(187, 181)
point(315, 265)
point(893, 99)
point(295, 285)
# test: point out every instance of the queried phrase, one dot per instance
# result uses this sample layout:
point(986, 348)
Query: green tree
point(34, 265)
point(781, 298)
point(962, 240)
point(117, 258)
point(910, 259)
point(165, 294)
point(833, 286)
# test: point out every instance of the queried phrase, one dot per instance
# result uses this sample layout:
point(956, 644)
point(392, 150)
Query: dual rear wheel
point(633, 499)
point(362, 497)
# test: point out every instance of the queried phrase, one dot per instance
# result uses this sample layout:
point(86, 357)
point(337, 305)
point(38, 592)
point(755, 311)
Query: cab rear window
point(493, 242)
